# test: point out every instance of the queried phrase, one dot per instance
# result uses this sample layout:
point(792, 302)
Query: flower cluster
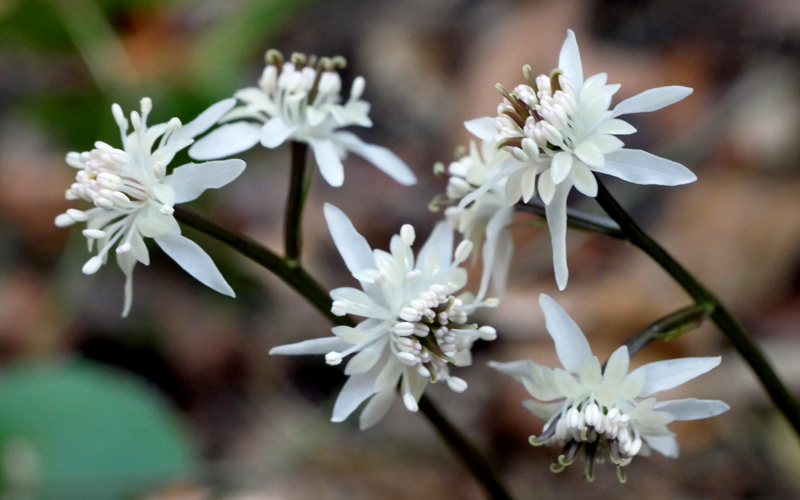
point(415, 324)
point(559, 129)
point(133, 195)
point(605, 411)
point(299, 101)
point(488, 217)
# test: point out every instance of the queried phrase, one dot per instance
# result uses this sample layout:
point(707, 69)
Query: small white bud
point(457, 384)
point(94, 234)
point(410, 402)
point(124, 248)
point(357, 90)
point(119, 117)
point(147, 105)
point(462, 251)
point(407, 234)
point(92, 265)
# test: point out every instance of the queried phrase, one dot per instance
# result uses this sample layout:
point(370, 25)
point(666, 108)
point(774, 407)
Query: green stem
point(305, 285)
point(731, 328)
point(294, 204)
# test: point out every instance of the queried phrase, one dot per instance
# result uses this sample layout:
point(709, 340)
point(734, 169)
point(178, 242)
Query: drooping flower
point(133, 195)
point(607, 412)
point(299, 101)
point(488, 217)
point(414, 328)
point(560, 130)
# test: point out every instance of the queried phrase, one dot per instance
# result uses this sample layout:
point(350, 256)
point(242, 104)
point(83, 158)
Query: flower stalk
point(730, 327)
point(295, 204)
point(304, 284)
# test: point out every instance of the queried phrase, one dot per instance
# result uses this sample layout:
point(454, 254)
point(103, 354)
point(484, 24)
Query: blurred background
point(180, 401)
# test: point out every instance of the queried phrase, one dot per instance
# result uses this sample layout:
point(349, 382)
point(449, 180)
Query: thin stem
point(304, 284)
point(731, 328)
point(577, 219)
point(295, 203)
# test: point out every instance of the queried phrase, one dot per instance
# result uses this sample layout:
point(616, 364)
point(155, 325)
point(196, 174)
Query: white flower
point(300, 102)
point(560, 129)
point(133, 196)
point(489, 216)
point(414, 326)
point(608, 412)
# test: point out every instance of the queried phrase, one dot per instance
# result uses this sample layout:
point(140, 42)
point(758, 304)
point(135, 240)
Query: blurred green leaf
point(82, 431)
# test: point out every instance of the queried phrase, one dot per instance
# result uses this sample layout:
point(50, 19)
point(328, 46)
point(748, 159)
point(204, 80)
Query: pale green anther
point(554, 84)
point(339, 62)
point(459, 152)
point(526, 70)
point(274, 57)
point(621, 475)
point(566, 462)
point(299, 59)
point(449, 304)
point(532, 440)
point(556, 468)
point(439, 169)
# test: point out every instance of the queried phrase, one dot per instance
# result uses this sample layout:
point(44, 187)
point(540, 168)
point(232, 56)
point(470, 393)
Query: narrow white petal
point(652, 100)
point(641, 167)
point(571, 345)
point(556, 212)
point(505, 169)
point(313, 346)
point(542, 410)
point(203, 122)
point(127, 262)
point(482, 128)
point(616, 127)
point(358, 388)
point(195, 261)
point(376, 409)
point(514, 369)
point(362, 362)
point(330, 165)
point(584, 180)
point(352, 246)
point(666, 445)
point(547, 188)
point(359, 303)
point(569, 60)
point(561, 166)
point(386, 161)
point(190, 180)
point(435, 255)
point(693, 409)
point(226, 140)
point(663, 375)
point(275, 132)
point(616, 367)
point(497, 251)
point(514, 186)
point(590, 154)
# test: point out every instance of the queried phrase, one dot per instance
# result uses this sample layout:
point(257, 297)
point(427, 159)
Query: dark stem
point(731, 328)
point(295, 203)
point(577, 219)
point(305, 285)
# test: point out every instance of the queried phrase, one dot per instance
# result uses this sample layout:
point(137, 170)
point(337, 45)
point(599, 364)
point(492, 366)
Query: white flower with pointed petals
point(560, 129)
point(488, 217)
point(608, 412)
point(415, 326)
point(133, 196)
point(300, 101)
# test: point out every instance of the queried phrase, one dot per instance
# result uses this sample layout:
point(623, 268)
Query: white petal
point(386, 161)
point(190, 180)
point(571, 345)
point(616, 127)
point(693, 409)
point(652, 100)
point(351, 335)
point(313, 346)
point(355, 391)
point(663, 375)
point(376, 409)
point(542, 410)
point(505, 169)
point(641, 167)
point(497, 250)
point(514, 186)
point(127, 262)
point(362, 362)
point(589, 154)
point(195, 261)
point(584, 180)
point(569, 60)
point(359, 303)
point(514, 369)
point(330, 165)
point(275, 132)
point(616, 367)
point(204, 121)
point(561, 166)
point(353, 247)
point(528, 181)
point(482, 128)
point(226, 140)
point(666, 445)
point(435, 255)
point(547, 188)
point(556, 212)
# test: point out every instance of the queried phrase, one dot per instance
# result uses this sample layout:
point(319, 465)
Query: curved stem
point(304, 284)
point(731, 328)
point(577, 219)
point(294, 204)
